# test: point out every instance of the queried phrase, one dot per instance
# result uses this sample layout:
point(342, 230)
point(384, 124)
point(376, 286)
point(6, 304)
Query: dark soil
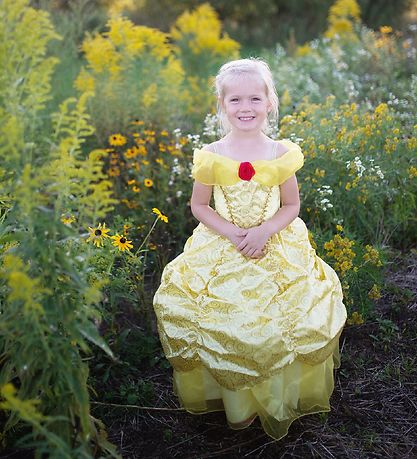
point(374, 404)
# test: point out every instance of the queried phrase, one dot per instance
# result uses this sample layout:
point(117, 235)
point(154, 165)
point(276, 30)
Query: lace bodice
point(247, 203)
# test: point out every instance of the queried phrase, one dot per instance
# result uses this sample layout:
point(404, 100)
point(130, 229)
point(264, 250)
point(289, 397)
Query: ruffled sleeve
point(202, 169)
point(211, 169)
point(286, 165)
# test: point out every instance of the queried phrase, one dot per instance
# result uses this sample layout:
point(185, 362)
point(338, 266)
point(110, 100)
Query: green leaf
point(90, 332)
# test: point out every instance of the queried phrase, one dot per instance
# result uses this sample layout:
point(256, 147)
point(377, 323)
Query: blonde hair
point(249, 66)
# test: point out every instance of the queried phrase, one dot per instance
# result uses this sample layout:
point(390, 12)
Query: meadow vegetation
point(96, 179)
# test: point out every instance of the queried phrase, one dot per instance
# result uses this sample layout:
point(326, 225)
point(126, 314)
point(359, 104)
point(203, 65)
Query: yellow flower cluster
point(200, 30)
point(303, 50)
point(342, 15)
point(381, 109)
point(372, 256)
point(111, 51)
point(340, 249)
point(98, 235)
point(375, 293)
point(84, 81)
point(385, 29)
point(412, 171)
point(355, 319)
point(117, 7)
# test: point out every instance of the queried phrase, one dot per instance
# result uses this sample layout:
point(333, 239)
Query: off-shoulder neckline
point(290, 149)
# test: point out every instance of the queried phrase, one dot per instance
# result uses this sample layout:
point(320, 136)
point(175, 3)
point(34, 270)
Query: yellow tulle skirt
point(299, 389)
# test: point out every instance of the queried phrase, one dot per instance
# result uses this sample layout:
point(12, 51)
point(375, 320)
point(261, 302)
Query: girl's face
point(245, 102)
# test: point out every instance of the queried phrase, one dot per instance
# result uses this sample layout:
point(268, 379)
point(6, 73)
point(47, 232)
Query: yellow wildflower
point(117, 139)
point(98, 234)
point(385, 29)
point(412, 171)
point(67, 219)
point(160, 215)
point(303, 50)
point(138, 123)
point(340, 249)
point(411, 143)
point(355, 319)
point(121, 242)
point(131, 152)
point(372, 256)
point(114, 172)
point(374, 293)
point(84, 81)
point(381, 109)
point(148, 182)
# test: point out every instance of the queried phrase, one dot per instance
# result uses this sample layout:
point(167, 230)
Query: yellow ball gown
point(252, 337)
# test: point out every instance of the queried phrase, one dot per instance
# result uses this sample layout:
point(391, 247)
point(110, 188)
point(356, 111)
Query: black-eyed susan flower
point(98, 234)
point(117, 139)
point(121, 242)
point(148, 182)
point(67, 219)
point(135, 189)
point(160, 215)
point(131, 152)
point(137, 122)
point(113, 172)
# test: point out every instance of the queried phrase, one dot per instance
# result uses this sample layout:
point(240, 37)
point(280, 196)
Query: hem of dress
point(241, 405)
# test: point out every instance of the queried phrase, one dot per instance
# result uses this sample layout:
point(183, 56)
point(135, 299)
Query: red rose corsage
point(246, 170)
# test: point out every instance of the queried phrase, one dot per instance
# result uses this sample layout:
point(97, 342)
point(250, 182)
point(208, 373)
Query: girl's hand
point(252, 245)
point(236, 235)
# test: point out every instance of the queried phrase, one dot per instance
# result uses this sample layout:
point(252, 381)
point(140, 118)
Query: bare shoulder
point(210, 147)
point(280, 148)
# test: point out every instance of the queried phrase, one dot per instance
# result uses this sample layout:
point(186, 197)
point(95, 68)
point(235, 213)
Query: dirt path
point(374, 404)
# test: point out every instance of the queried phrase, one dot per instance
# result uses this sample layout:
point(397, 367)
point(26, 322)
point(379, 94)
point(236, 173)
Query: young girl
point(248, 315)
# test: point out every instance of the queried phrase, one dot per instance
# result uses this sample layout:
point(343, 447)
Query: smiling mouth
point(246, 118)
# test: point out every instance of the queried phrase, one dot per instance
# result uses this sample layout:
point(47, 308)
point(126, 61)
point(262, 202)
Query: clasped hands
point(250, 241)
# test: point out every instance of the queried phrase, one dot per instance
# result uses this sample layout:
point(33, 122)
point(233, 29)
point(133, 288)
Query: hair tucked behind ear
point(249, 66)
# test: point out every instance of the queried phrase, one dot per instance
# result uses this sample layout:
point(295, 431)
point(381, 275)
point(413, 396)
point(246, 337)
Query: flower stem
point(146, 237)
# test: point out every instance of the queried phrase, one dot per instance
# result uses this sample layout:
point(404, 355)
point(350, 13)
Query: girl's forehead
point(244, 84)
